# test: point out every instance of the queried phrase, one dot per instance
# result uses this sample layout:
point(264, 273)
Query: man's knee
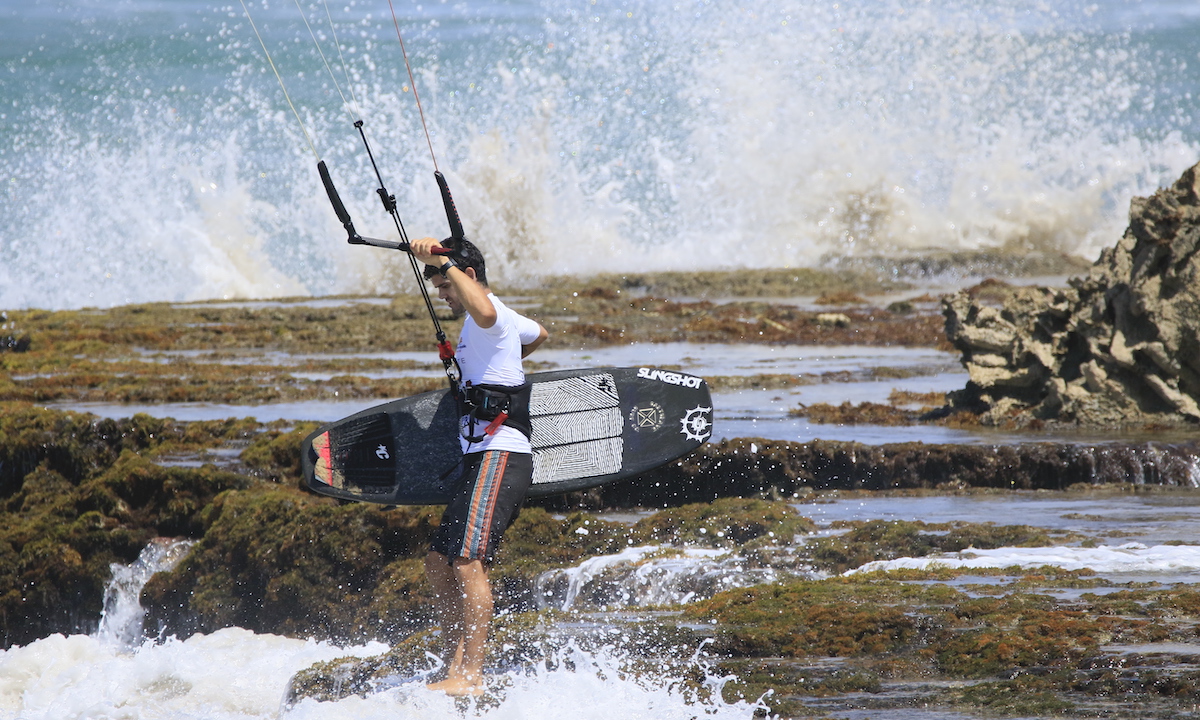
point(468, 567)
point(437, 565)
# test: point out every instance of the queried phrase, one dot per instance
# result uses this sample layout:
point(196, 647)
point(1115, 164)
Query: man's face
point(446, 291)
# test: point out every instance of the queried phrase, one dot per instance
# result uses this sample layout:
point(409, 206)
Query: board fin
point(368, 445)
point(322, 467)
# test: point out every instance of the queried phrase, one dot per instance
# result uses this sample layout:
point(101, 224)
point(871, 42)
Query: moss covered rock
point(79, 497)
point(279, 560)
point(725, 522)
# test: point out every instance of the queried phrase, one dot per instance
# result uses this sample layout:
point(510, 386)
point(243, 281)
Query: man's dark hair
point(465, 255)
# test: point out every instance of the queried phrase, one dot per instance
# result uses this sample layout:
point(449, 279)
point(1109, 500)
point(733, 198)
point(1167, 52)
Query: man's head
point(466, 255)
point(470, 261)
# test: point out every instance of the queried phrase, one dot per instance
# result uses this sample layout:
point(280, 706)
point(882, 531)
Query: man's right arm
point(527, 348)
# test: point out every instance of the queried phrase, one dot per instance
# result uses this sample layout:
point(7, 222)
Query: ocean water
point(235, 674)
point(148, 152)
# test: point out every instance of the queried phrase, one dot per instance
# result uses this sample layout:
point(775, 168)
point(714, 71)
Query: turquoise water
point(148, 153)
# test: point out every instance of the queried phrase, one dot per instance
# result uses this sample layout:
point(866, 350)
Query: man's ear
point(470, 272)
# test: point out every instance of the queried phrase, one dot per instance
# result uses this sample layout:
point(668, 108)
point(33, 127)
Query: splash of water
point(595, 684)
point(122, 616)
point(234, 674)
point(231, 674)
point(149, 156)
point(636, 578)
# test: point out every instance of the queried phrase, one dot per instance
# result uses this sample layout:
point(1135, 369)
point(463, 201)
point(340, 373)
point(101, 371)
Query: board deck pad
point(589, 427)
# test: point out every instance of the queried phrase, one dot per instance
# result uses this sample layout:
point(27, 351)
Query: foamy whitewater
point(149, 154)
point(634, 580)
point(234, 674)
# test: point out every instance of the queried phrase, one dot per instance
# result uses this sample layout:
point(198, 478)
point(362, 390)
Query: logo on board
point(646, 417)
point(697, 424)
point(671, 378)
point(381, 452)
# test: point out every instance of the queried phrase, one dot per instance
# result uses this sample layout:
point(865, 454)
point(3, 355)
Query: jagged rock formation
point(1120, 347)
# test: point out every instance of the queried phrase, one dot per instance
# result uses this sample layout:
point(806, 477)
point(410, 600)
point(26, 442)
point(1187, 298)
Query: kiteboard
point(589, 427)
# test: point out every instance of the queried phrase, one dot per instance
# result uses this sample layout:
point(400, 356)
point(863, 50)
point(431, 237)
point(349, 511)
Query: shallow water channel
point(831, 375)
point(822, 374)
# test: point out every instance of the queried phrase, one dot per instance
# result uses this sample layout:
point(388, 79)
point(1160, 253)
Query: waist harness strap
point(496, 405)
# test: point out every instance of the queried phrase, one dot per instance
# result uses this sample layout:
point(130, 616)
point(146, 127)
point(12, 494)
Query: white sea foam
point(1127, 558)
point(149, 155)
point(588, 685)
point(234, 674)
point(634, 578)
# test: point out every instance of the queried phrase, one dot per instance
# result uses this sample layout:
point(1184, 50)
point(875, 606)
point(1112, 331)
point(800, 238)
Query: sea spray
point(598, 681)
point(149, 155)
point(121, 619)
point(648, 575)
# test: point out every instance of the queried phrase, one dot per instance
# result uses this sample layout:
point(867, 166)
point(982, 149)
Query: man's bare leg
point(466, 673)
point(448, 597)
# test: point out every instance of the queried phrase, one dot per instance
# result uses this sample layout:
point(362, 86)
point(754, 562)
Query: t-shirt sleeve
point(528, 330)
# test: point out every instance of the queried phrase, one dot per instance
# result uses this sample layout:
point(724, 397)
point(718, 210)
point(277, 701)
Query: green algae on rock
point(958, 650)
point(78, 495)
point(276, 559)
point(768, 282)
point(274, 455)
point(215, 352)
point(723, 523)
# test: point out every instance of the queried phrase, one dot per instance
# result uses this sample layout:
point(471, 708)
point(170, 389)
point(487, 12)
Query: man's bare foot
point(457, 687)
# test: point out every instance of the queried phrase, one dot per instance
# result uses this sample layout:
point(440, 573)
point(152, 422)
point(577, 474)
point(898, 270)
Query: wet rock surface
point(80, 493)
point(1119, 347)
point(299, 349)
point(764, 468)
point(1006, 644)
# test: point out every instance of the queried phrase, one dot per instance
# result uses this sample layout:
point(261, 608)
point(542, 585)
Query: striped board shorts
point(492, 490)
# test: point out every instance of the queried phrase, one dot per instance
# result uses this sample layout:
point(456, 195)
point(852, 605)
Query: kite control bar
point(352, 235)
point(456, 228)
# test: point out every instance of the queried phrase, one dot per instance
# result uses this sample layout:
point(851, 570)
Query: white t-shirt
point(493, 356)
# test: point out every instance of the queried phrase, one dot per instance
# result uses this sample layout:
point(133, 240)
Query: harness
point(495, 405)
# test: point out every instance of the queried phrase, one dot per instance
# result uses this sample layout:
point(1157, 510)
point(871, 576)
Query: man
point(497, 458)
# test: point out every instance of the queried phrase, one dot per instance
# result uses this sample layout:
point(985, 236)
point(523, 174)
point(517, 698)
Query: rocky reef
point(1118, 348)
point(1001, 642)
point(79, 493)
point(754, 467)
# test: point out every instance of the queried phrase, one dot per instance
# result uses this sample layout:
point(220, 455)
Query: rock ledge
point(1118, 348)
